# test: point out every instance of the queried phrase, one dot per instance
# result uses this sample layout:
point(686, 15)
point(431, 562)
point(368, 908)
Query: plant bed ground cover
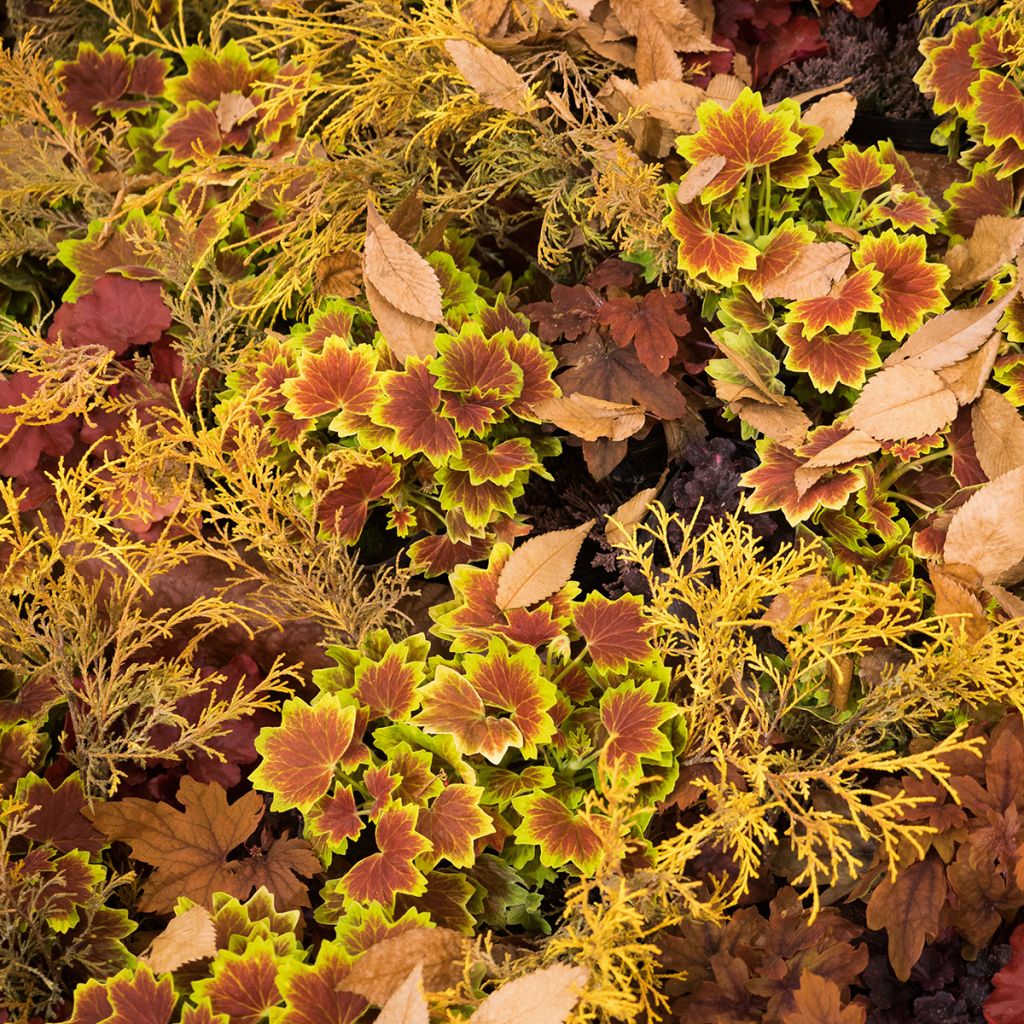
point(510, 510)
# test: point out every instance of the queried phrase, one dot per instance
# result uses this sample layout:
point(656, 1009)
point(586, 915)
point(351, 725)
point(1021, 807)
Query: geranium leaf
point(617, 632)
point(132, 996)
point(778, 251)
point(409, 405)
point(910, 286)
point(301, 754)
point(949, 71)
point(744, 134)
point(343, 505)
point(632, 718)
point(703, 250)
point(338, 379)
point(390, 870)
point(332, 821)
point(242, 985)
point(387, 685)
point(830, 358)
point(316, 993)
point(849, 296)
point(189, 848)
point(498, 464)
point(858, 170)
point(452, 822)
point(562, 835)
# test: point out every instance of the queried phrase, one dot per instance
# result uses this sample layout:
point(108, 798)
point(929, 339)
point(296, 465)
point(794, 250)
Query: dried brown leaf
point(833, 114)
point(406, 335)
point(812, 274)
point(950, 337)
point(340, 274)
point(539, 567)
point(187, 937)
point(546, 996)
point(698, 177)
point(490, 75)
point(591, 418)
point(903, 401)
point(993, 243)
point(399, 273)
point(967, 378)
point(786, 423)
point(380, 972)
point(954, 599)
point(851, 446)
point(998, 434)
point(987, 531)
point(407, 1004)
point(630, 513)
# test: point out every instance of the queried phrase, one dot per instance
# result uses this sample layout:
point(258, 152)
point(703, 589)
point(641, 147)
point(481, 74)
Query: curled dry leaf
point(903, 401)
point(546, 996)
point(967, 378)
point(591, 418)
point(340, 274)
point(407, 1004)
point(400, 275)
point(833, 114)
point(786, 423)
point(233, 109)
point(950, 337)
point(958, 601)
point(378, 974)
point(187, 937)
point(490, 75)
point(998, 432)
point(812, 274)
point(539, 567)
point(987, 531)
point(698, 177)
point(631, 512)
point(406, 335)
point(853, 445)
point(993, 243)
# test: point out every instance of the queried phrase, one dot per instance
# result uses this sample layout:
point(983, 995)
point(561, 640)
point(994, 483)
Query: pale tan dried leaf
point(630, 513)
point(340, 274)
point(490, 75)
point(539, 567)
point(188, 937)
point(952, 336)
point(382, 969)
point(742, 68)
point(993, 243)
point(811, 94)
point(406, 217)
point(398, 272)
point(663, 29)
point(806, 477)
point(998, 434)
point(812, 274)
point(704, 12)
point(406, 335)
point(546, 996)
point(670, 110)
point(407, 1004)
point(233, 109)
point(484, 15)
point(967, 378)
point(954, 599)
point(833, 114)
point(591, 418)
point(698, 177)
point(987, 531)
point(853, 445)
point(584, 8)
point(1012, 605)
point(786, 423)
point(724, 89)
point(903, 401)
